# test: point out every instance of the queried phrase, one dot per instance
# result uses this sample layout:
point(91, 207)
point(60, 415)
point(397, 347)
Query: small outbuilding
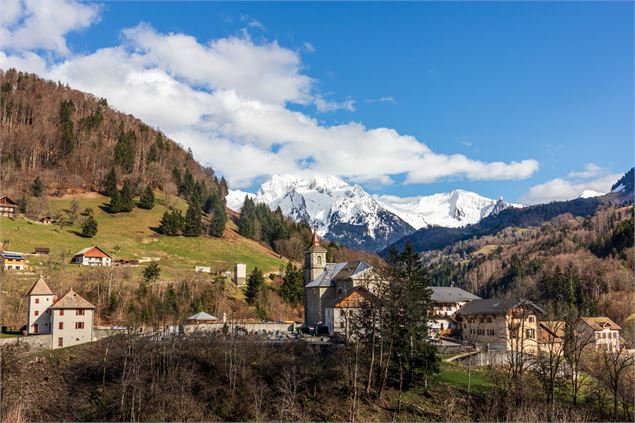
point(201, 317)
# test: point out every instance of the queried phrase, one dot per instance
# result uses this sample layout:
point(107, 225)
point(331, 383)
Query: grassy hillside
point(131, 236)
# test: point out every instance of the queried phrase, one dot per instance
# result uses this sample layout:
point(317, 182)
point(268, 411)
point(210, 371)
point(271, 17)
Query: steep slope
point(71, 139)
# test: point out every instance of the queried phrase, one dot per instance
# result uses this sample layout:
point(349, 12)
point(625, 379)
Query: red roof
point(92, 252)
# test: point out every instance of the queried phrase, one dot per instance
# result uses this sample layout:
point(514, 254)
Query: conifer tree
point(36, 187)
point(110, 183)
point(219, 220)
point(171, 222)
point(124, 150)
point(255, 285)
point(89, 227)
point(248, 223)
point(126, 197)
point(193, 221)
point(115, 202)
point(292, 288)
point(147, 198)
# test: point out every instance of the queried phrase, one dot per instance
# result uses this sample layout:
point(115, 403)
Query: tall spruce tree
point(147, 198)
point(255, 285)
point(36, 187)
point(292, 288)
point(126, 197)
point(110, 184)
point(115, 202)
point(171, 222)
point(89, 227)
point(193, 220)
point(124, 150)
point(248, 222)
point(218, 221)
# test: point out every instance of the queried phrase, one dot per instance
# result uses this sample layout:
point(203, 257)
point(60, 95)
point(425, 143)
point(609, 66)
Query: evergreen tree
point(147, 198)
point(66, 127)
point(126, 197)
point(255, 285)
point(36, 187)
point(247, 223)
point(193, 221)
point(115, 202)
point(110, 183)
point(89, 227)
point(223, 186)
point(219, 220)
point(292, 288)
point(171, 222)
point(152, 272)
point(125, 149)
point(210, 203)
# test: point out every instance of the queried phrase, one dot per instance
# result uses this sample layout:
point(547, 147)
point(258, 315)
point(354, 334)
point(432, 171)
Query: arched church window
point(319, 260)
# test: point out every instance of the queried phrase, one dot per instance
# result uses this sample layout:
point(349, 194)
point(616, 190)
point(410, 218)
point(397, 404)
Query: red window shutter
point(36, 312)
point(37, 301)
point(61, 325)
point(61, 312)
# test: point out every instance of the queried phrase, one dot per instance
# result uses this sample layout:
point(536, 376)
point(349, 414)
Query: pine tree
point(152, 272)
point(89, 227)
point(66, 127)
point(110, 184)
point(193, 221)
point(36, 187)
point(124, 150)
point(115, 202)
point(255, 285)
point(171, 222)
point(247, 223)
point(126, 197)
point(219, 220)
point(292, 288)
point(147, 198)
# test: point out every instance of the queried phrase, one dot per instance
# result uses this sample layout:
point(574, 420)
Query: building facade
point(68, 319)
point(92, 256)
point(8, 207)
point(12, 261)
point(501, 325)
point(446, 301)
point(340, 311)
point(325, 282)
point(601, 332)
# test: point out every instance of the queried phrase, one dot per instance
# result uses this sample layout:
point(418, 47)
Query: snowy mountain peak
point(348, 214)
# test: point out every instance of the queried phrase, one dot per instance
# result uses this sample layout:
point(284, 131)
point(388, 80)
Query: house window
point(531, 319)
point(79, 325)
point(37, 301)
point(341, 324)
point(61, 312)
point(36, 312)
point(79, 312)
point(530, 333)
point(489, 319)
point(61, 325)
point(60, 342)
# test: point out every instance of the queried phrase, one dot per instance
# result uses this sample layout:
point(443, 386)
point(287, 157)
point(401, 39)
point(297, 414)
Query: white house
point(601, 331)
point(12, 261)
point(69, 319)
point(92, 256)
point(446, 301)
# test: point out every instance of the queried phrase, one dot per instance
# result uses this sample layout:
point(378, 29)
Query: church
point(333, 290)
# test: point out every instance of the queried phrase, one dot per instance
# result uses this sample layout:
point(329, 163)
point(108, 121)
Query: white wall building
point(92, 256)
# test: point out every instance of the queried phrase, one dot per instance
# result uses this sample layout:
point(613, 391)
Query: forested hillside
point(586, 261)
point(71, 139)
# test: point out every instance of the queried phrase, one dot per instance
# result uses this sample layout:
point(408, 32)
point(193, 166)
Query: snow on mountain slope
point(236, 198)
point(450, 209)
point(348, 214)
point(588, 193)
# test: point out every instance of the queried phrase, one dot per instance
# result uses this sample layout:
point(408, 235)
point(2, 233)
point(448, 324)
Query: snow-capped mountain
point(349, 215)
point(589, 193)
point(449, 209)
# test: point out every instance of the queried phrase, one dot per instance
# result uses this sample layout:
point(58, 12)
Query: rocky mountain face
point(352, 217)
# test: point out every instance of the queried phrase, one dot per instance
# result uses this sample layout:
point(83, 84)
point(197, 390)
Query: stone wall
point(37, 342)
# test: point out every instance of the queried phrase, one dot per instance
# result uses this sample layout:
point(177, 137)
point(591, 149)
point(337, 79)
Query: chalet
point(92, 256)
point(338, 312)
point(46, 220)
point(498, 324)
point(551, 335)
point(602, 332)
point(325, 282)
point(446, 301)
point(69, 319)
point(42, 251)
point(8, 207)
point(12, 261)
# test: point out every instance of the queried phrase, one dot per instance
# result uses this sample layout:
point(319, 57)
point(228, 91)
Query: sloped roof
point(40, 288)
point(599, 323)
point(352, 299)
point(11, 255)
point(551, 331)
point(71, 300)
point(201, 316)
point(448, 294)
point(338, 271)
point(494, 306)
point(92, 251)
point(315, 243)
point(6, 201)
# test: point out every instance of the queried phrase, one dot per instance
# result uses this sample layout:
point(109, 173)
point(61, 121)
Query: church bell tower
point(314, 260)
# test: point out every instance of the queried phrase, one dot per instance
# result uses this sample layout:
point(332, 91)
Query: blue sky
point(548, 86)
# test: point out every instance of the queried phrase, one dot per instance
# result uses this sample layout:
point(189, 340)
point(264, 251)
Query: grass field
point(131, 236)
point(458, 376)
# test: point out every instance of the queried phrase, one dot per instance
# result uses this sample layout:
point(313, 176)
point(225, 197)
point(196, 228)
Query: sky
point(529, 101)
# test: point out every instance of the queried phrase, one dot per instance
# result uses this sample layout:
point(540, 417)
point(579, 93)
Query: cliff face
point(71, 140)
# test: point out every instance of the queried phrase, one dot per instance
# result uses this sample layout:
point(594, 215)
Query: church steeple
point(314, 259)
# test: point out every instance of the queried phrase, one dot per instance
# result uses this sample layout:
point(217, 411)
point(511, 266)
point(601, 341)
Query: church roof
point(352, 299)
point(40, 288)
point(71, 300)
point(337, 272)
point(315, 243)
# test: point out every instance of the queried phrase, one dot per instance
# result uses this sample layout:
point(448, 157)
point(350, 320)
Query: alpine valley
point(354, 218)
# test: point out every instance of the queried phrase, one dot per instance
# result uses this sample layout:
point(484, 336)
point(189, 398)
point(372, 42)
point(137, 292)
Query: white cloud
point(228, 100)
point(590, 170)
point(33, 24)
point(561, 189)
point(308, 47)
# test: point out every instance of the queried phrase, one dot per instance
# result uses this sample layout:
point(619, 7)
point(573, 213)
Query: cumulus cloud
point(34, 24)
point(593, 179)
point(228, 99)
